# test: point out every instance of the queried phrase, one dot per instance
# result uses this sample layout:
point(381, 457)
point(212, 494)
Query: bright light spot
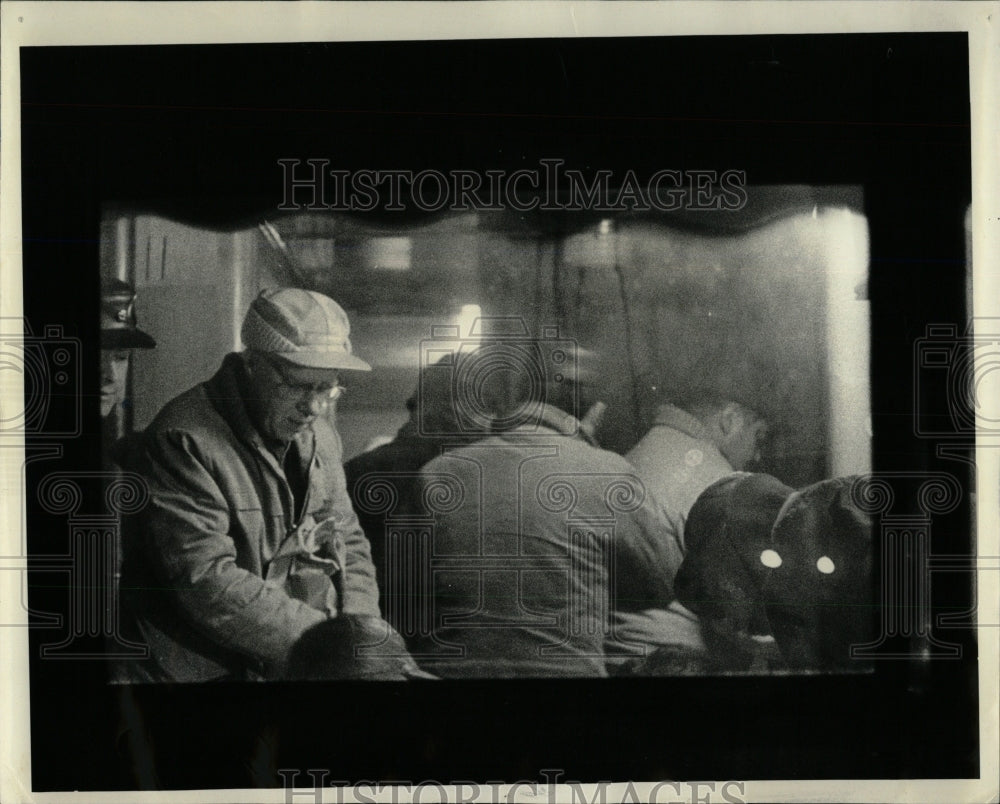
point(771, 559)
point(604, 229)
point(825, 565)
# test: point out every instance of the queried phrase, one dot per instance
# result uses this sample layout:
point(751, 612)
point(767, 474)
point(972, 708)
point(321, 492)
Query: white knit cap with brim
point(303, 327)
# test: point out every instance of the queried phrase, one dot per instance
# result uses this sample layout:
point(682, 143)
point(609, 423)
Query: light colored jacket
point(219, 580)
point(677, 462)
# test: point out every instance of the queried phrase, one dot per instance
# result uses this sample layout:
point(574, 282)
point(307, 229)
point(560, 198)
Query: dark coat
point(766, 561)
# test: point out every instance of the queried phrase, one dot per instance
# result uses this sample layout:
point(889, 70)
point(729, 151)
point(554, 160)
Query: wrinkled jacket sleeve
point(360, 588)
point(190, 548)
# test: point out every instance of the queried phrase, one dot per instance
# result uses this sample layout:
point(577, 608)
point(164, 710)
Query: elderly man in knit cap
point(249, 535)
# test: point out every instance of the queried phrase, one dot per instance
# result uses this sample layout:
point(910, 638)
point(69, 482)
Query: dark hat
point(820, 597)
point(118, 321)
point(352, 647)
point(764, 558)
point(727, 530)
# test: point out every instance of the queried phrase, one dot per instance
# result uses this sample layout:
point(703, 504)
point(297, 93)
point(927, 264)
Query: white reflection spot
point(771, 559)
point(825, 565)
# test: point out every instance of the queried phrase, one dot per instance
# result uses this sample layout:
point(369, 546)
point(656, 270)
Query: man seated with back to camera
point(703, 437)
point(541, 536)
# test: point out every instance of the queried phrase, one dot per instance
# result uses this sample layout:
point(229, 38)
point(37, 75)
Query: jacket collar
point(673, 417)
point(552, 418)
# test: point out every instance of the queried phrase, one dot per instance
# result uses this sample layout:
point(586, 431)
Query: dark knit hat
point(727, 531)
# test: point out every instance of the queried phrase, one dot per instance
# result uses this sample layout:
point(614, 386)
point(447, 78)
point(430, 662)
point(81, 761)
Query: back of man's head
point(563, 377)
point(738, 430)
point(704, 404)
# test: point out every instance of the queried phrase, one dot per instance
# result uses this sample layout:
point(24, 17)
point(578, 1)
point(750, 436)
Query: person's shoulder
point(593, 455)
point(125, 453)
point(462, 455)
point(382, 457)
point(190, 412)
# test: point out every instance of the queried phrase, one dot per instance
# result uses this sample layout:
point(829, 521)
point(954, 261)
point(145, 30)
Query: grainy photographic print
point(571, 408)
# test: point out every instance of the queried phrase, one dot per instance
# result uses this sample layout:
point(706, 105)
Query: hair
point(569, 386)
point(705, 403)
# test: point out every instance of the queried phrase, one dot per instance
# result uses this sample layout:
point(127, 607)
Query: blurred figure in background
point(543, 533)
point(433, 427)
point(120, 334)
point(693, 443)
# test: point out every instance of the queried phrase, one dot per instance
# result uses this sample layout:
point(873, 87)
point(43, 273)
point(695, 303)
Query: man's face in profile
point(114, 370)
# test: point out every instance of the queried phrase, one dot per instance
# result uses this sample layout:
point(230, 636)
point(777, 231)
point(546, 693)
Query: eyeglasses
point(327, 392)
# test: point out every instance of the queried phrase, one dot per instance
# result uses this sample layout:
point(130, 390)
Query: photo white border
point(118, 23)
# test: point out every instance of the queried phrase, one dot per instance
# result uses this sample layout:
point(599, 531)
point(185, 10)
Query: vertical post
point(239, 266)
point(848, 343)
